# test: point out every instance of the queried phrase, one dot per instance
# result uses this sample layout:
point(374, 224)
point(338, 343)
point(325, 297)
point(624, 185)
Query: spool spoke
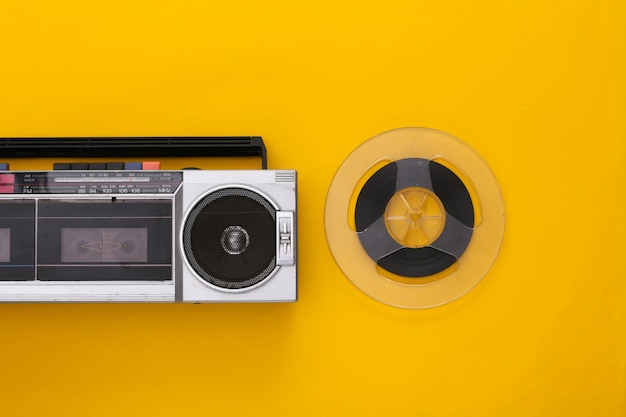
point(454, 238)
point(376, 242)
point(413, 172)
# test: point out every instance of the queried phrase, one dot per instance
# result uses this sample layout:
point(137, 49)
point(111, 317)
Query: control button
point(136, 166)
point(4, 166)
point(100, 166)
point(151, 165)
point(61, 166)
point(115, 166)
point(79, 166)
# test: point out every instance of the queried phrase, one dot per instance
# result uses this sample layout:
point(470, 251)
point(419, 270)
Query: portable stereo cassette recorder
point(97, 232)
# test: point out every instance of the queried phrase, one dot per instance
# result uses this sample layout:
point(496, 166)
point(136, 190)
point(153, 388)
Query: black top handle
point(149, 146)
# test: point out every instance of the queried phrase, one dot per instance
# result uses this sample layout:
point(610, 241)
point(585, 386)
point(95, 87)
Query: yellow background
point(537, 88)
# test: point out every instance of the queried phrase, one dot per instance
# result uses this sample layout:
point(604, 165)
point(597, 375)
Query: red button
point(7, 178)
point(153, 165)
point(6, 189)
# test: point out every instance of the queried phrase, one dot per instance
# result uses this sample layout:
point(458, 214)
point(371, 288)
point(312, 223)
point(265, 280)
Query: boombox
point(129, 232)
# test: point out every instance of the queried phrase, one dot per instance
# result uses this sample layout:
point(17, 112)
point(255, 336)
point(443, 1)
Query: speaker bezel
point(188, 214)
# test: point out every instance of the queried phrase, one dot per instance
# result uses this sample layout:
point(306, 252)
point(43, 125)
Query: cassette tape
point(132, 235)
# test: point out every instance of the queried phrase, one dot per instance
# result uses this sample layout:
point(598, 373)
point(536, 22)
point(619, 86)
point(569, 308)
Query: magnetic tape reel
point(414, 217)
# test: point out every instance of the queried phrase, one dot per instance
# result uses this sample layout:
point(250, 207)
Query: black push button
point(115, 166)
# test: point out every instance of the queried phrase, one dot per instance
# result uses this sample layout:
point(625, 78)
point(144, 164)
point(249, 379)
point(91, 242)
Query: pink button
point(153, 165)
point(7, 178)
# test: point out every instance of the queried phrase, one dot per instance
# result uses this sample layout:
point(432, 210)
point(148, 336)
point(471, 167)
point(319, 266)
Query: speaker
point(238, 238)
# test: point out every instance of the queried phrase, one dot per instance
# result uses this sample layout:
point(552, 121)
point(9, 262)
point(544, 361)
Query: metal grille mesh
point(204, 228)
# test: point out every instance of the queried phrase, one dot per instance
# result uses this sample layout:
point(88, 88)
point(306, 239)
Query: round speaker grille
point(229, 238)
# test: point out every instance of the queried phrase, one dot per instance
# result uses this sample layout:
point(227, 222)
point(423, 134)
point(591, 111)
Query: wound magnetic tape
point(414, 217)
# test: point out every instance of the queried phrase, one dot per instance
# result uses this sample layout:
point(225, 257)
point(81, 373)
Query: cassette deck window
point(17, 240)
point(106, 239)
